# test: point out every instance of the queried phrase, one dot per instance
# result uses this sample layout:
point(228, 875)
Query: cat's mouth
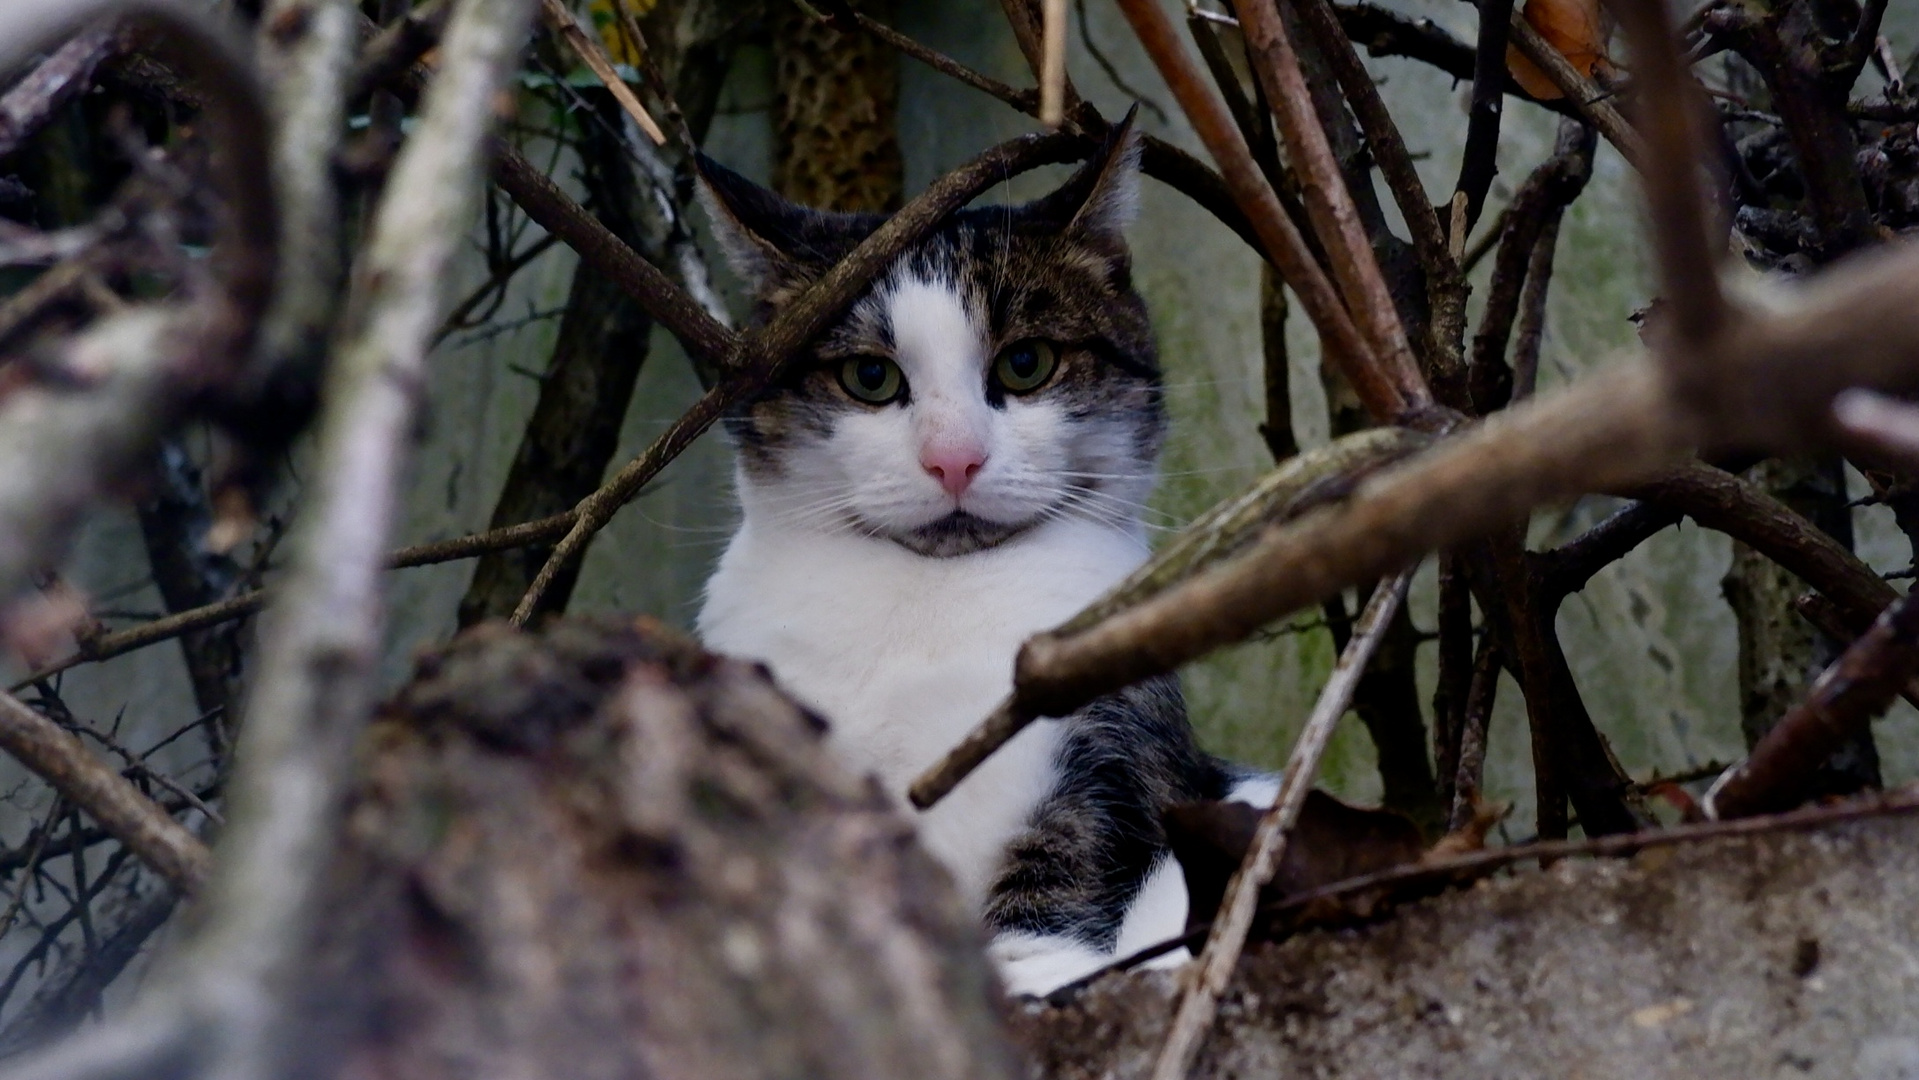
point(958, 533)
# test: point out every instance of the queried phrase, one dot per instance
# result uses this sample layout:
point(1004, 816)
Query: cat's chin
point(958, 533)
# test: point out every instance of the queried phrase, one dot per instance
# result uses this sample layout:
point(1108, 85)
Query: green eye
point(872, 379)
point(1024, 367)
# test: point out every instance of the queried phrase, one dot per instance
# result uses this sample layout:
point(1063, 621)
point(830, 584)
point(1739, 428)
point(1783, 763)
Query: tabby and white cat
point(960, 463)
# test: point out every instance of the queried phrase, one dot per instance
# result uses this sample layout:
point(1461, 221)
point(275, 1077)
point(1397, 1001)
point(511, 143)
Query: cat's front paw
point(1034, 965)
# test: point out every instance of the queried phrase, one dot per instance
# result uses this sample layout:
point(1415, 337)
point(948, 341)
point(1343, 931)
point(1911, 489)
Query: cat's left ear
point(1102, 197)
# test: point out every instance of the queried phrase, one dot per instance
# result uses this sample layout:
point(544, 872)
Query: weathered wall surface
point(1788, 955)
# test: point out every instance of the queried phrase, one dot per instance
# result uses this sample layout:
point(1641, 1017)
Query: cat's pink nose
point(953, 466)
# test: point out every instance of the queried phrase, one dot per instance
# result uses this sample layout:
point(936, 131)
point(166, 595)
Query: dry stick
point(58, 79)
point(472, 546)
point(1330, 205)
point(1383, 138)
point(1052, 72)
point(589, 51)
point(1589, 100)
point(1208, 979)
point(1833, 622)
point(762, 355)
point(1472, 734)
point(553, 210)
point(1480, 159)
point(1671, 121)
point(1281, 241)
point(1616, 427)
point(106, 796)
point(1842, 702)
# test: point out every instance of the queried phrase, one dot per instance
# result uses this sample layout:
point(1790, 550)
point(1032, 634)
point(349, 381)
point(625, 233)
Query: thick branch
point(1586, 99)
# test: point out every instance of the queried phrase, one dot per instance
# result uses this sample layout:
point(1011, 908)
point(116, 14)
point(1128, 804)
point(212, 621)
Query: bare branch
point(106, 796)
point(1857, 687)
point(58, 79)
point(1052, 71)
point(1279, 238)
point(1383, 138)
point(1200, 1001)
point(1673, 121)
point(1471, 768)
point(1590, 101)
point(552, 210)
point(563, 22)
point(1480, 159)
point(1330, 204)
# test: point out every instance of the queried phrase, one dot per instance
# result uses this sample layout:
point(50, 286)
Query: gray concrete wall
point(1789, 955)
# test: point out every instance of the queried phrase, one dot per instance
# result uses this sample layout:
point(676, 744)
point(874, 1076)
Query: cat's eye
point(872, 379)
point(1024, 367)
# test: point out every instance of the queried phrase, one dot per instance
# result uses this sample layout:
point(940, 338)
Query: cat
point(960, 462)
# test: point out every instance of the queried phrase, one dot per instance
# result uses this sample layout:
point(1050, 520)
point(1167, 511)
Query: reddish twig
point(1842, 702)
point(1279, 238)
point(1330, 204)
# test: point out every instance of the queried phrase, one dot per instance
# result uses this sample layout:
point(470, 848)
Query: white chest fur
point(904, 654)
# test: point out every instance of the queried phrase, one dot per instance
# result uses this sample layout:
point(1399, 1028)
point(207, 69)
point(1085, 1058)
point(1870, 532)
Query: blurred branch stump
point(599, 851)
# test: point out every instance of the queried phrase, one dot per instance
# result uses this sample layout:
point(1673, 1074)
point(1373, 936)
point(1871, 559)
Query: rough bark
point(1780, 653)
point(602, 852)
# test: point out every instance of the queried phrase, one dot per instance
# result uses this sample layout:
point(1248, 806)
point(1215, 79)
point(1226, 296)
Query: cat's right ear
point(777, 246)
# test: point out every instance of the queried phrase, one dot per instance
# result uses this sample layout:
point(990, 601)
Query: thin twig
point(1200, 1000)
point(106, 796)
point(1279, 238)
point(590, 52)
point(1590, 101)
point(1476, 717)
point(1330, 204)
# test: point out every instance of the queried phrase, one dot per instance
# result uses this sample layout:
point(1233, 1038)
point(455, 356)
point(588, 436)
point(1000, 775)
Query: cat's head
point(999, 375)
